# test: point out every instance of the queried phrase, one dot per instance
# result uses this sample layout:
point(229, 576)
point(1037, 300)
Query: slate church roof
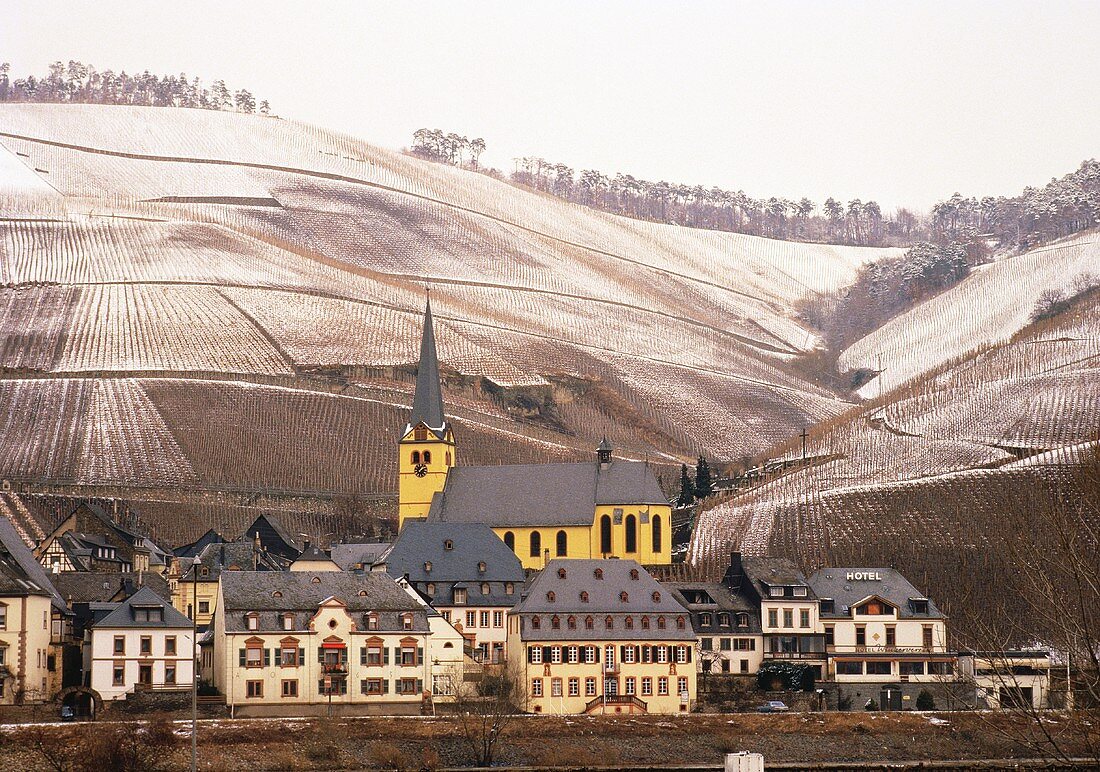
point(427, 405)
point(525, 495)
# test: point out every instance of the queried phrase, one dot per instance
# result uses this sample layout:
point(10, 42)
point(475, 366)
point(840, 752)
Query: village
point(556, 580)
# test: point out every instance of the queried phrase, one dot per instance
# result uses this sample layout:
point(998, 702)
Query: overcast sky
point(902, 103)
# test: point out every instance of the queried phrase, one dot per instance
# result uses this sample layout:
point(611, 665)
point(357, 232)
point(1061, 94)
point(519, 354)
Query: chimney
point(735, 573)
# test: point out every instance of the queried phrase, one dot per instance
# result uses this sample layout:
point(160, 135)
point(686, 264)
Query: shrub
point(388, 756)
point(925, 701)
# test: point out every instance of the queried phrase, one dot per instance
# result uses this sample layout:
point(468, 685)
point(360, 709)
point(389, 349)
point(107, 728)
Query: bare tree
point(486, 707)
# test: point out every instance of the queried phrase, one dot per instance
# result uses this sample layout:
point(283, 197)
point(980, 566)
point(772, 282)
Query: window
point(804, 617)
point(372, 620)
point(681, 685)
point(706, 644)
point(3, 617)
point(788, 617)
point(573, 655)
point(629, 687)
point(798, 592)
point(536, 544)
point(590, 687)
point(536, 622)
point(288, 621)
point(589, 655)
point(406, 621)
point(628, 623)
point(584, 597)
point(170, 673)
point(660, 623)
point(625, 598)
point(562, 545)
point(290, 688)
point(656, 533)
point(498, 619)
point(204, 605)
point(830, 635)
point(773, 617)
point(634, 574)
point(288, 654)
point(910, 668)
point(254, 689)
point(253, 621)
point(861, 635)
point(145, 646)
point(571, 623)
point(535, 654)
point(742, 619)
point(744, 666)
point(662, 686)
point(605, 535)
point(335, 686)
point(609, 656)
point(555, 655)
point(723, 619)
point(724, 644)
point(555, 687)
point(371, 686)
point(891, 636)
point(536, 687)
point(510, 540)
point(574, 687)
point(416, 456)
point(940, 668)
point(849, 668)
point(420, 433)
point(120, 644)
point(170, 646)
point(706, 620)
point(662, 654)
point(509, 588)
point(926, 636)
point(879, 668)
point(647, 686)
point(775, 592)
point(483, 619)
point(628, 655)
point(555, 622)
point(681, 655)
point(680, 623)
point(427, 566)
point(460, 596)
point(427, 457)
point(409, 654)
point(598, 573)
point(608, 623)
point(589, 623)
point(631, 533)
point(254, 656)
point(645, 622)
point(118, 674)
point(148, 614)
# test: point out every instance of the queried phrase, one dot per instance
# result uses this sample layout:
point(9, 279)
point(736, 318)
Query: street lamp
point(194, 664)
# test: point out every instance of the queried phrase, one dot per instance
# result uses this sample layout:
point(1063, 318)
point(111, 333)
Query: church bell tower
point(426, 447)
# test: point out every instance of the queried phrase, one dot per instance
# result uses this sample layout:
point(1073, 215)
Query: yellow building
point(607, 508)
point(602, 636)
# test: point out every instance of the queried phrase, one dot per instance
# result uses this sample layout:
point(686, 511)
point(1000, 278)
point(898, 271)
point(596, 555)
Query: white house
point(140, 643)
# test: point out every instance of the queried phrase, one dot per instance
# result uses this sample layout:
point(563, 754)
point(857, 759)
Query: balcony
point(334, 668)
point(818, 655)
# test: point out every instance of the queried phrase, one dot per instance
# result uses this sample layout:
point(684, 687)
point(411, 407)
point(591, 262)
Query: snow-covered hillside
point(158, 263)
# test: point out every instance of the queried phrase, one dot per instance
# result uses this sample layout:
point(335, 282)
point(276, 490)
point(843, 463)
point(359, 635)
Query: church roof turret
point(427, 405)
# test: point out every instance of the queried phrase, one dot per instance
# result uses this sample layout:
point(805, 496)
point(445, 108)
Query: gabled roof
point(765, 572)
point(102, 586)
point(123, 614)
point(719, 598)
point(255, 591)
point(269, 526)
point(227, 557)
point(553, 494)
point(469, 544)
point(348, 556)
point(195, 547)
point(427, 407)
point(888, 584)
point(21, 573)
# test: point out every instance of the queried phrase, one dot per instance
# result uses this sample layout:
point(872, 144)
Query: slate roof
point(122, 614)
point(427, 407)
point(893, 587)
point(604, 598)
point(313, 553)
point(267, 525)
point(724, 599)
point(348, 556)
point(195, 547)
point(21, 573)
point(763, 572)
point(230, 556)
point(471, 543)
point(100, 586)
point(542, 494)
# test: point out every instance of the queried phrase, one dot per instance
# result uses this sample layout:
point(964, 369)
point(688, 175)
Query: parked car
point(773, 706)
point(67, 713)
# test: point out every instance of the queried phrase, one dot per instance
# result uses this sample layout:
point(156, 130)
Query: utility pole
point(804, 435)
point(194, 664)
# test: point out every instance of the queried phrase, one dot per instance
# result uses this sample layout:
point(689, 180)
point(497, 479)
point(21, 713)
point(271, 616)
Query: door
point(145, 674)
point(611, 687)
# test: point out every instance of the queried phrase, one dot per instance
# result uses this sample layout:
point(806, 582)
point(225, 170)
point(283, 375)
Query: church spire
point(427, 405)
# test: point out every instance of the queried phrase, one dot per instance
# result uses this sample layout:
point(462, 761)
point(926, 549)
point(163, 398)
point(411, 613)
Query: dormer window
point(742, 619)
point(460, 596)
point(427, 566)
point(598, 573)
point(645, 623)
point(920, 605)
point(481, 567)
point(799, 592)
point(660, 623)
point(656, 597)
point(509, 588)
point(550, 597)
point(609, 623)
point(624, 597)
point(484, 588)
point(828, 606)
point(407, 621)
point(430, 588)
point(589, 623)
point(253, 620)
point(288, 621)
point(315, 580)
point(634, 574)
point(420, 433)
point(584, 597)
point(448, 545)
point(204, 571)
point(681, 623)
point(536, 622)
point(276, 594)
point(629, 623)
point(362, 593)
point(775, 592)
point(571, 622)
point(561, 573)
point(723, 619)
point(555, 622)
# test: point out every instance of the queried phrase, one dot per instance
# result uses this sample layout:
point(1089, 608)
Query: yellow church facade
point(606, 508)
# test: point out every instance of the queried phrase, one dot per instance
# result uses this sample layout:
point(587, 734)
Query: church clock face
point(420, 470)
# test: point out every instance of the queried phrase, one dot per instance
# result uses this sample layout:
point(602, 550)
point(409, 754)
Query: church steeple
point(427, 407)
point(427, 447)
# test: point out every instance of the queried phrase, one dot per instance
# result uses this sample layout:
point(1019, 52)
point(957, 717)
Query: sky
point(903, 103)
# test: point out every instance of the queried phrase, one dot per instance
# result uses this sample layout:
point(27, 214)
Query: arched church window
point(416, 457)
point(536, 544)
point(562, 544)
point(631, 534)
point(427, 457)
point(656, 533)
point(510, 540)
point(605, 534)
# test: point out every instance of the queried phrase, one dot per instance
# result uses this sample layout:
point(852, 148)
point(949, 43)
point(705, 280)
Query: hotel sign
point(863, 576)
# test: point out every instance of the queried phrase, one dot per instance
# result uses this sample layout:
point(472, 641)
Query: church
point(605, 508)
